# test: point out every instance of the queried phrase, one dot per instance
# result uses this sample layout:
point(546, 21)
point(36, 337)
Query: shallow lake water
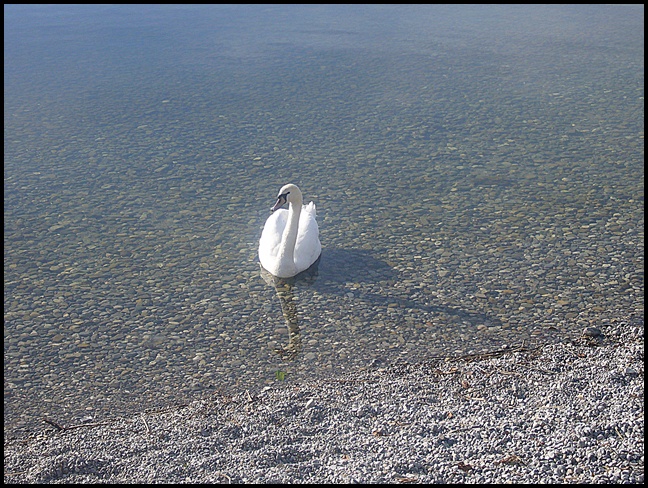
point(477, 171)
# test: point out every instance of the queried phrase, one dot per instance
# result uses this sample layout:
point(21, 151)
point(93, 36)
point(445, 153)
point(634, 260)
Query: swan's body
point(290, 242)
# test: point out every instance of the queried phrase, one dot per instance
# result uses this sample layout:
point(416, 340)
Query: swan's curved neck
point(289, 236)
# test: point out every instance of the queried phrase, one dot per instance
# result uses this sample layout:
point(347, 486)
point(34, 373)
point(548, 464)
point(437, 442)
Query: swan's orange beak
point(281, 200)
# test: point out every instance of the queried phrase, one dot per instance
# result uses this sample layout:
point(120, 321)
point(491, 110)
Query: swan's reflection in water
point(289, 311)
point(284, 289)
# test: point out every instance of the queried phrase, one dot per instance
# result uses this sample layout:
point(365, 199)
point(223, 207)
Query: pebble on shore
point(564, 413)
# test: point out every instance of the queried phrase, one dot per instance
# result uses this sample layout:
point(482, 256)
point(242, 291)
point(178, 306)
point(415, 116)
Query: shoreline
point(561, 413)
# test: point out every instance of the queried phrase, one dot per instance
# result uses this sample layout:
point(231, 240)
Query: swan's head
point(288, 194)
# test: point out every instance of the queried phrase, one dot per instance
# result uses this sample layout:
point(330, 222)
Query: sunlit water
point(477, 171)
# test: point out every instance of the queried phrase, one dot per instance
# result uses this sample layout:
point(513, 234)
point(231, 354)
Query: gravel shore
point(567, 413)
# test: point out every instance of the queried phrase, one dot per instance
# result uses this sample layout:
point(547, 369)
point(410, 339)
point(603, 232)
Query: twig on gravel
point(493, 354)
point(452, 371)
point(148, 429)
point(512, 459)
point(54, 424)
point(509, 372)
point(62, 428)
point(15, 474)
point(229, 480)
point(541, 370)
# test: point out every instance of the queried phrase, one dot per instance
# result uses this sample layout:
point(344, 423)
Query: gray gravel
point(567, 413)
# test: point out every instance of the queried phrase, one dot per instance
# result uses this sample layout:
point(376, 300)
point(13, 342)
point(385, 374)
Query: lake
point(477, 171)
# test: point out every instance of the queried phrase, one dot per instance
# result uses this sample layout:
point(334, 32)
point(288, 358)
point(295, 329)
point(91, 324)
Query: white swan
point(290, 242)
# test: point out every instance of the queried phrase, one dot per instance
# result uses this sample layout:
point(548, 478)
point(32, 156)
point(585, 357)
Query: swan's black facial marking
point(281, 200)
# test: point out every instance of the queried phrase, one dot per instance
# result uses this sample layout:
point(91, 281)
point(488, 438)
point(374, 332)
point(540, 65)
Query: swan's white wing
point(308, 246)
point(271, 238)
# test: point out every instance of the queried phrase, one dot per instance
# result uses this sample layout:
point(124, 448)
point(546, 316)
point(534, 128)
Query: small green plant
point(280, 375)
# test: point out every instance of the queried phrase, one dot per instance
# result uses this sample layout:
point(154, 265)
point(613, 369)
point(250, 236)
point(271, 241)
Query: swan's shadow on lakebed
point(329, 275)
point(336, 267)
point(341, 266)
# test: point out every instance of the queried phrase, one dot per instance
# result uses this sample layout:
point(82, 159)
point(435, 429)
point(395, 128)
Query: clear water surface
point(477, 170)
